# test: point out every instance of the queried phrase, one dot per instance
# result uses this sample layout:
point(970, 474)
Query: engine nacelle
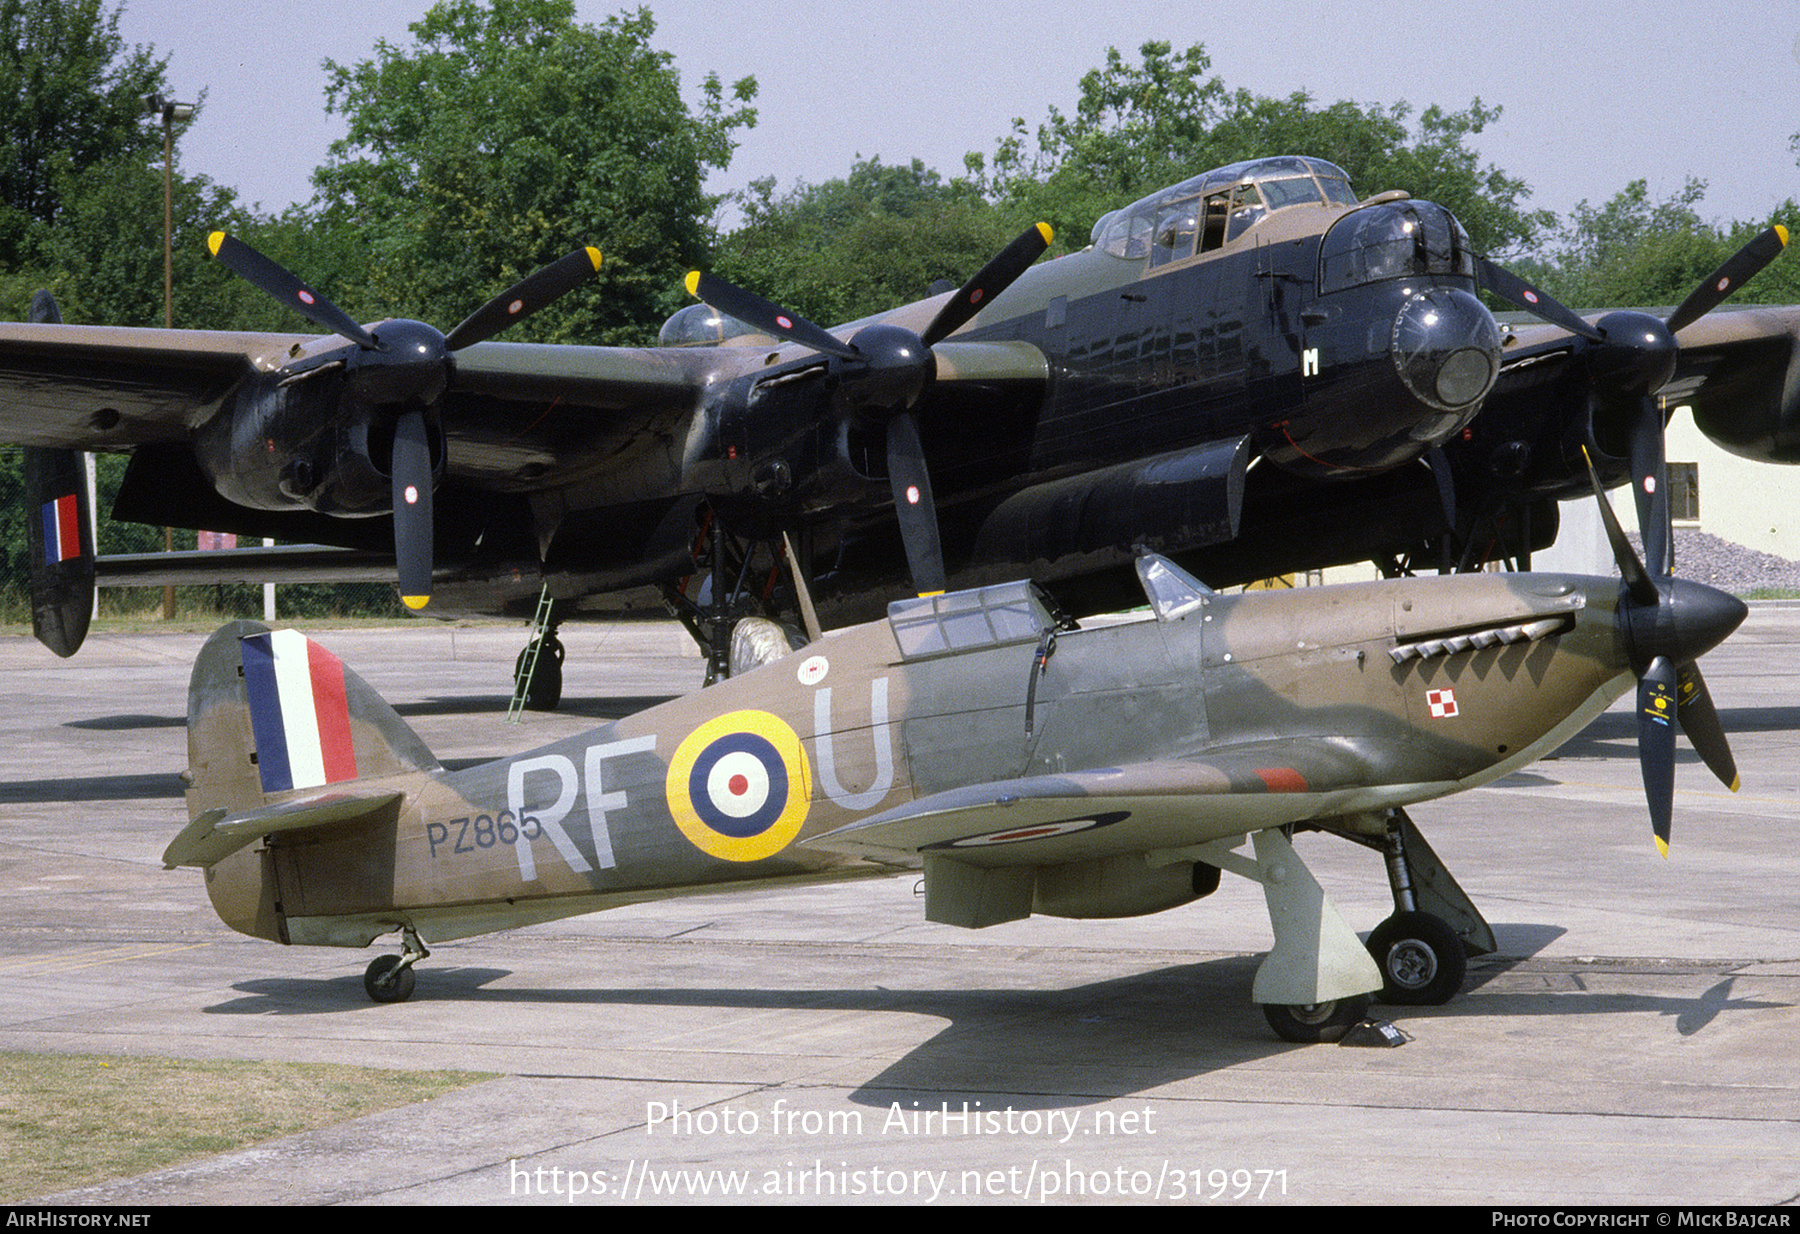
point(304, 446)
point(1751, 406)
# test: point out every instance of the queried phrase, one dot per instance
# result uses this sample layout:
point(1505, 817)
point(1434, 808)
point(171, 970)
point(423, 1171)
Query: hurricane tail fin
point(270, 712)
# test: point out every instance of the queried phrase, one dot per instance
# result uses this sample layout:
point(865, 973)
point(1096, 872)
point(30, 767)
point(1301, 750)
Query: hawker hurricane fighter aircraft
point(1253, 372)
point(1025, 763)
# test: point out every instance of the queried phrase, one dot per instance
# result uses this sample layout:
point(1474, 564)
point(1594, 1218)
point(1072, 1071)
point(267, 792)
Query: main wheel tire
point(388, 980)
point(545, 689)
point(1307, 1024)
point(1422, 961)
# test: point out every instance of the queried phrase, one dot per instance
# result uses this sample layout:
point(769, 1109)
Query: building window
point(1684, 492)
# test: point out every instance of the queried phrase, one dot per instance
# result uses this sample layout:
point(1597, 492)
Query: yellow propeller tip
point(692, 282)
point(415, 602)
point(594, 256)
point(1782, 232)
point(1046, 231)
point(1736, 784)
point(214, 241)
point(1662, 846)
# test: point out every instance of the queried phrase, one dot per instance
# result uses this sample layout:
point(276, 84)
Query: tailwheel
point(389, 979)
point(544, 691)
point(1422, 961)
point(1314, 1022)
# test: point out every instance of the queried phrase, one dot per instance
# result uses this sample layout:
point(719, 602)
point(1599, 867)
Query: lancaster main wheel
point(545, 690)
point(1422, 961)
point(388, 980)
point(1309, 1023)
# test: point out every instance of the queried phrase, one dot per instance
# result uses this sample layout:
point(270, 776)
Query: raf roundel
point(739, 786)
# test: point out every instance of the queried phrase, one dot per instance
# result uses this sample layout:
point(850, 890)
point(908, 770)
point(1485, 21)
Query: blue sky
point(1595, 92)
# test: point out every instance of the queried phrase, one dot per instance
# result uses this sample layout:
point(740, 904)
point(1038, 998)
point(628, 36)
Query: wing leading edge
point(1054, 819)
point(111, 388)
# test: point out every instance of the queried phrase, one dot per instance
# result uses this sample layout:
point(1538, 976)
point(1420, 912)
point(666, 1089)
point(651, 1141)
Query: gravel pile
point(1727, 566)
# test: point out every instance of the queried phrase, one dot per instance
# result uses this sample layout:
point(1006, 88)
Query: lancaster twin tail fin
point(59, 530)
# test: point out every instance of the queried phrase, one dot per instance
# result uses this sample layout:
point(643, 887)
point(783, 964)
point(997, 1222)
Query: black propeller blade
point(1700, 721)
point(887, 367)
point(913, 504)
point(412, 484)
point(413, 382)
point(1515, 290)
point(261, 272)
point(992, 279)
point(1744, 264)
point(1631, 356)
point(765, 315)
point(1668, 623)
point(1656, 744)
point(524, 298)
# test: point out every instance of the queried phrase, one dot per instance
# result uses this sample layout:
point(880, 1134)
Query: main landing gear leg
point(1423, 949)
point(718, 613)
point(739, 591)
point(390, 978)
point(1315, 983)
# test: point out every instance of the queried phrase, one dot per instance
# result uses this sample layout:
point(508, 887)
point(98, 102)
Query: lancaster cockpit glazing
point(1213, 209)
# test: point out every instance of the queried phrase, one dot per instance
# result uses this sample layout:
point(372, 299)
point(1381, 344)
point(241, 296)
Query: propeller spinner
point(888, 367)
point(411, 374)
point(1668, 623)
point(1632, 355)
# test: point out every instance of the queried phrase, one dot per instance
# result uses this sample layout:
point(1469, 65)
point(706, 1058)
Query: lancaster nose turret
point(1444, 344)
point(1398, 352)
point(1446, 347)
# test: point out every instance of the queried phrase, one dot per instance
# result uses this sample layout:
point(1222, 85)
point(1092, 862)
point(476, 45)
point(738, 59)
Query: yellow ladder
point(540, 625)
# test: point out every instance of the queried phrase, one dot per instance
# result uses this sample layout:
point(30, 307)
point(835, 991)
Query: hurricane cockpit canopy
point(1215, 207)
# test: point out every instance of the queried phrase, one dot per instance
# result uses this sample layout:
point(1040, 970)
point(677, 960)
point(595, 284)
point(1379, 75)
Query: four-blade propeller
point(410, 377)
point(1631, 356)
point(885, 368)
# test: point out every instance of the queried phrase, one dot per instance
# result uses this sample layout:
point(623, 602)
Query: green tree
point(1134, 128)
point(70, 97)
point(104, 257)
point(1641, 252)
point(1383, 148)
point(1138, 127)
point(858, 245)
point(507, 135)
point(1633, 250)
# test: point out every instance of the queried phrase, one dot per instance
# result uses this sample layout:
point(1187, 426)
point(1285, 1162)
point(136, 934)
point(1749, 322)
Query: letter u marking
point(880, 733)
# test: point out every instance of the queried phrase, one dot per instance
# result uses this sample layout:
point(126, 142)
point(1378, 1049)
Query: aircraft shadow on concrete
point(1038, 1048)
point(126, 723)
point(601, 708)
point(1614, 734)
point(147, 787)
